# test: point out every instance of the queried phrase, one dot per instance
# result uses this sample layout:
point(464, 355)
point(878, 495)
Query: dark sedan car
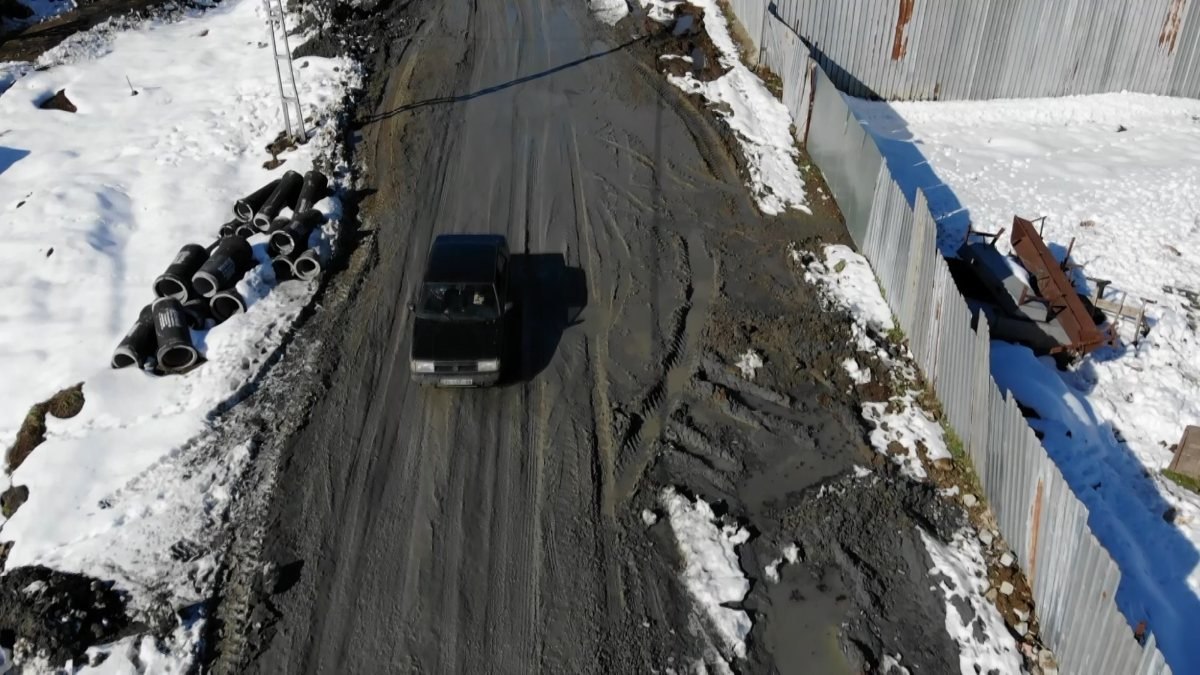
point(458, 332)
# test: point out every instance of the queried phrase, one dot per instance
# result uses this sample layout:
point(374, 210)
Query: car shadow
point(549, 297)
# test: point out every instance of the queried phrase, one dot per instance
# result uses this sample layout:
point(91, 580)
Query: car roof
point(463, 259)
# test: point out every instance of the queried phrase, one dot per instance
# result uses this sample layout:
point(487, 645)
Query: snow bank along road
point(504, 530)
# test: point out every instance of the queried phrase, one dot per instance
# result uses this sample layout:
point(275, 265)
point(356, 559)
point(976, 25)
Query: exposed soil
point(56, 616)
point(684, 46)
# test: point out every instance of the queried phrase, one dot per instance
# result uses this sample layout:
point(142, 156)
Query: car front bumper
point(458, 379)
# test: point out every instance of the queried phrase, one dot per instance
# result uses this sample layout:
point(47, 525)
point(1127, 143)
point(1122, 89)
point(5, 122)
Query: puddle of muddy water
point(803, 629)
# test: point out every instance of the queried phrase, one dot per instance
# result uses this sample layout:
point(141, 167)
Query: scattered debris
point(1029, 299)
point(791, 553)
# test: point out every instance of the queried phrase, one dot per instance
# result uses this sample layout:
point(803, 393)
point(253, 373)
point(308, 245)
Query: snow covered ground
point(95, 204)
point(711, 572)
point(1117, 173)
point(974, 623)
point(761, 122)
point(609, 11)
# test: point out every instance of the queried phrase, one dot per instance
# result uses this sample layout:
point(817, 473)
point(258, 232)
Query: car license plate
point(457, 381)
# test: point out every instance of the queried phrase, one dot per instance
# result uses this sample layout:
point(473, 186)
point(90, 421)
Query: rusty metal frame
point(1057, 291)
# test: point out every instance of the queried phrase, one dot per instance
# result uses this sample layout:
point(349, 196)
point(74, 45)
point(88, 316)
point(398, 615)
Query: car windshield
point(459, 302)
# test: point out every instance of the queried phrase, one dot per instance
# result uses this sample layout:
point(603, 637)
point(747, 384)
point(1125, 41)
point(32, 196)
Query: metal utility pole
point(289, 95)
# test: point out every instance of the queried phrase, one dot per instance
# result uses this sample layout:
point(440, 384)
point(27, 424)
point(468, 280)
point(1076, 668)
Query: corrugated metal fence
point(1074, 579)
point(981, 49)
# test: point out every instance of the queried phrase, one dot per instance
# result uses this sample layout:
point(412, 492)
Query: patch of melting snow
point(609, 11)
point(890, 665)
point(146, 654)
point(761, 122)
point(984, 642)
point(850, 283)
point(649, 517)
point(901, 430)
point(791, 553)
point(749, 363)
point(711, 572)
point(661, 11)
point(858, 374)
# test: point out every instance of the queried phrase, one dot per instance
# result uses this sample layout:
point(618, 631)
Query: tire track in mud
point(597, 358)
point(687, 321)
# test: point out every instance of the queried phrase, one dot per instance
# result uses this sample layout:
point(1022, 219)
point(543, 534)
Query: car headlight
point(422, 366)
point(488, 366)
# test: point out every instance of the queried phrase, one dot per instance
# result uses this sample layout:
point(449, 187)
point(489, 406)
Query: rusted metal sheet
point(900, 41)
point(1171, 25)
point(1035, 523)
point(1056, 291)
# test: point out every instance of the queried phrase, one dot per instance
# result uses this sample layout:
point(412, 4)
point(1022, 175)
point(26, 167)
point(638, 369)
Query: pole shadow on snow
point(552, 296)
point(462, 98)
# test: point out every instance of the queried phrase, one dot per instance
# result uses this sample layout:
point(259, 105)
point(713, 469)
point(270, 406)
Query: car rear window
point(459, 301)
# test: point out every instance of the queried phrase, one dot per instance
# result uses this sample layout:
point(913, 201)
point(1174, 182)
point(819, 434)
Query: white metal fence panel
point(784, 53)
point(752, 14)
point(838, 141)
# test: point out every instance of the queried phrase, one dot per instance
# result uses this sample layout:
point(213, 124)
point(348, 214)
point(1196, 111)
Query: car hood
point(435, 340)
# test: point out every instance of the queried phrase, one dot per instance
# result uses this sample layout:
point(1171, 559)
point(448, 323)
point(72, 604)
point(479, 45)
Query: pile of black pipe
point(285, 193)
point(198, 288)
point(291, 257)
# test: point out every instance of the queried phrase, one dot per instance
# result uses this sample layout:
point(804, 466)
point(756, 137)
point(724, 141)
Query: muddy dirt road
point(499, 531)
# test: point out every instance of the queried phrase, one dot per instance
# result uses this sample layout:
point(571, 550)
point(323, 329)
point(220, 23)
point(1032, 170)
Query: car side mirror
point(508, 307)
